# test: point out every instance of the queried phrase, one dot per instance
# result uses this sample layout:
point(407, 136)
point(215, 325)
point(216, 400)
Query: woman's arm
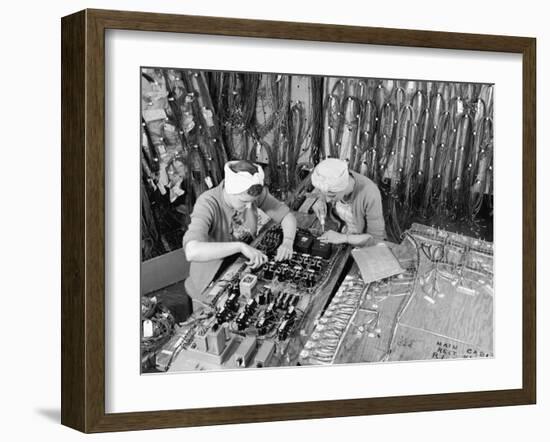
point(356, 240)
point(360, 240)
point(288, 225)
point(201, 251)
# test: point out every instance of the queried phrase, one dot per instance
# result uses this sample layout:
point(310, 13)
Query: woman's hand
point(333, 237)
point(255, 257)
point(284, 251)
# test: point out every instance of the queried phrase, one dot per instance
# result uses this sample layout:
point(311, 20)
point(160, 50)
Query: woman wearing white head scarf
point(224, 221)
point(353, 198)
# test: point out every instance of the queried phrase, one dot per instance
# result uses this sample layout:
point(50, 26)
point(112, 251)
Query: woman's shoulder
point(365, 185)
point(210, 198)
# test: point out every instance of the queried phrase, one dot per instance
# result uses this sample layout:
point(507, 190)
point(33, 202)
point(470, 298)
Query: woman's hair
point(251, 168)
point(243, 166)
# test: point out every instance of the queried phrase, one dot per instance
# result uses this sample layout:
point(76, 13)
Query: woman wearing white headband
point(353, 198)
point(224, 221)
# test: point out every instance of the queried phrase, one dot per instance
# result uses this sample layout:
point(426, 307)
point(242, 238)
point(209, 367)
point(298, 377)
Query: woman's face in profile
point(242, 200)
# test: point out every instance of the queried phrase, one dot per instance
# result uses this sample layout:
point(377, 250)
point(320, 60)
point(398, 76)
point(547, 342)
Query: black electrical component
point(322, 249)
point(261, 325)
point(286, 301)
point(261, 297)
point(270, 310)
point(290, 313)
point(303, 242)
point(268, 272)
point(235, 290)
point(310, 279)
point(270, 241)
point(296, 259)
point(242, 321)
point(281, 300)
point(268, 294)
point(282, 272)
point(285, 270)
point(314, 263)
point(250, 307)
point(289, 274)
point(221, 315)
point(316, 266)
point(284, 329)
point(232, 302)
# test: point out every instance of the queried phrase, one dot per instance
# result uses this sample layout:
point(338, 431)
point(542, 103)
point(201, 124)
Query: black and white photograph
point(300, 220)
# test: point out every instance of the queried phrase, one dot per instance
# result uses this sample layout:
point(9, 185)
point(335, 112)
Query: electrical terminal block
point(201, 343)
point(248, 282)
point(244, 352)
point(264, 354)
point(215, 339)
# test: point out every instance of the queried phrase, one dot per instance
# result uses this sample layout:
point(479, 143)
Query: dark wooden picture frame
point(83, 220)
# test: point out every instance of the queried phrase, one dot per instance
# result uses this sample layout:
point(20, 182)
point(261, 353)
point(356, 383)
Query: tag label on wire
point(147, 328)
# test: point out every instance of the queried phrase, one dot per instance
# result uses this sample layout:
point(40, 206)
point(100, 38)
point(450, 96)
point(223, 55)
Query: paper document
point(376, 262)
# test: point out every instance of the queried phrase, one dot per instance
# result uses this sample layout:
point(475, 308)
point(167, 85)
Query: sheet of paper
point(376, 262)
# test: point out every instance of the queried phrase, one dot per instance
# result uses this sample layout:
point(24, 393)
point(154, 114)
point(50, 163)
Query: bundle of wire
point(428, 145)
point(162, 322)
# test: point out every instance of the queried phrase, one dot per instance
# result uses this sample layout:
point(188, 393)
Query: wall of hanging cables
point(428, 145)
